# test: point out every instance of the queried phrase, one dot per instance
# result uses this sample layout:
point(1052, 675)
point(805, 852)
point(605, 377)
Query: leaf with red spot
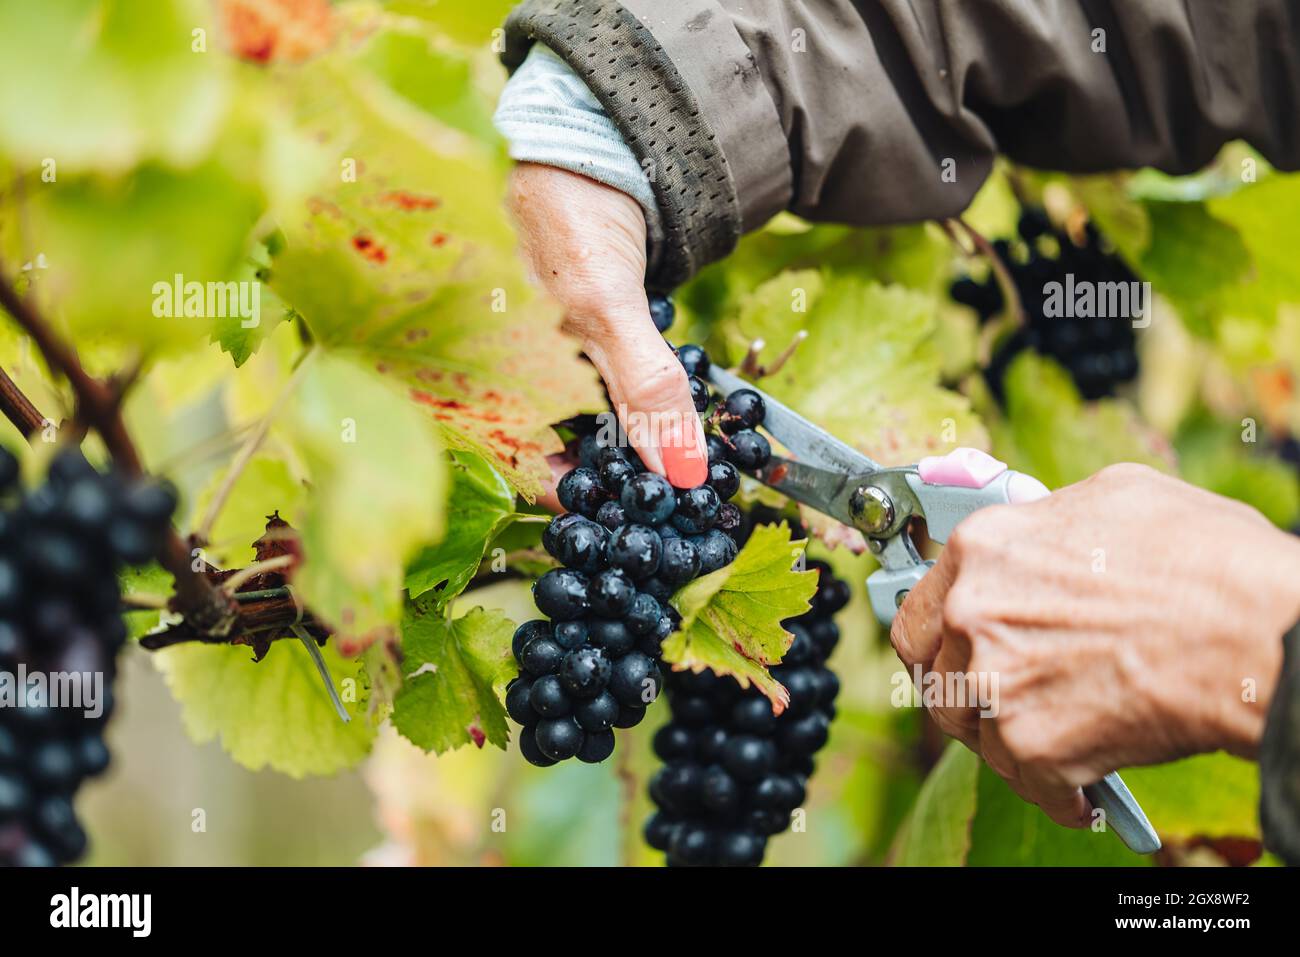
point(731, 618)
point(409, 264)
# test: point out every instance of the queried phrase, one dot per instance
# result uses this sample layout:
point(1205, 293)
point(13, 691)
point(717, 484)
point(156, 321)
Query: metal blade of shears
point(821, 489)
point(806, 442)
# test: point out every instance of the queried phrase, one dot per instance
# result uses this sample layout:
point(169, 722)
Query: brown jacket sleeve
point(853, 110)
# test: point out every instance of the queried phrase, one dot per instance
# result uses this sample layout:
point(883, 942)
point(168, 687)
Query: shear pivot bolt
point(872, 509)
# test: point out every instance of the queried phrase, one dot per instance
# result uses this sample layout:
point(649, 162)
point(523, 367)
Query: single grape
point(725, 479)
point(596, 747)
point(662, 311)
point(569, 634)
point(585, 672)
point(541, 656)
point(648, 498)
point(610, 593)
point(680, 562)
point(561, 594)
point(614, 637)
point(742, 409)
point(548, 699)
point(643, 614)
point(611, 515)
point(697, 510)
point(580, 491)
point(635, 680)
point(674, 742)
point(598, 713)
point(635, 550)
point(748, 758)
point(700, 395)
point(749, 451)
point(559, 738)
point(694, 360)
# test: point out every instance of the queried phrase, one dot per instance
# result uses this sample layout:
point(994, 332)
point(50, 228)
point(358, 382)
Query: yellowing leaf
point(101, 84)
point(731, 618)
point(409, 264)
point(377, 478)
point(274, 713)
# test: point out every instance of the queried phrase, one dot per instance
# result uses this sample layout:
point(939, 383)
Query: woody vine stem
point(210, 612)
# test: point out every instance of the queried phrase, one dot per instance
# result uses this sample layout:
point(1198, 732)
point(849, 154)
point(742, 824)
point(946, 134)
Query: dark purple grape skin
point(694, 360)
point(742, 409)
point(662, 311)
point(749, 451)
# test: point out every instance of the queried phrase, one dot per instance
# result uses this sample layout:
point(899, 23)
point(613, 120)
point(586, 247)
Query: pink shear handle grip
point(971, 468)
point(964, 468)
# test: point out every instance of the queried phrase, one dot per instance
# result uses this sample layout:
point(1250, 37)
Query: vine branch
point(19, 409)
point(99, 405)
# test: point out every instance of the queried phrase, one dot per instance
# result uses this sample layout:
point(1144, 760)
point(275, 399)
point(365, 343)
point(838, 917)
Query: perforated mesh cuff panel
point(661, 119)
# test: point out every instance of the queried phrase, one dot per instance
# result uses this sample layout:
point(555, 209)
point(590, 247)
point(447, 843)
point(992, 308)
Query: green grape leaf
point(410, 265)
point(274, 713)
point(166, 293)
point(468, 23)
point(454, 677)
point(938, 832)
point(1008, 832)
point(1215, 458)
point(1121, 218)
point(378, 480)
point(1209, 795)
point(480, 503)
point(869, 371)
point(1052, 434)
point(96, 85)
point(731, 618)
point(434, 79)
point(240, 336)
point(1193, 257)
point(1265, 216)
point(149, 580)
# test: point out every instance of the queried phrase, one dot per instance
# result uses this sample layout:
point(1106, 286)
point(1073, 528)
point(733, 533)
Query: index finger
point(917, 632)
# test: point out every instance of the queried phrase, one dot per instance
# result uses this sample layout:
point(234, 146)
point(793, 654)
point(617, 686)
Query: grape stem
point(985, 249)
point(18, 409)
point(99, 405)
point(245, 455)
point(319, 661)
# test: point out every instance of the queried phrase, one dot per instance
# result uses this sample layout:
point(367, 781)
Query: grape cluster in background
point(626, 542)
point(1099, 353)
point(733, 771)
point(62, 545)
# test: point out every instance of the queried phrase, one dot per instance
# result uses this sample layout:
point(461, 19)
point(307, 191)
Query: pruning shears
point(834, 478)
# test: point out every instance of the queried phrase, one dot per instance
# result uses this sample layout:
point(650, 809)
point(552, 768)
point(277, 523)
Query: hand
point(586, 244)
point(1126, 619)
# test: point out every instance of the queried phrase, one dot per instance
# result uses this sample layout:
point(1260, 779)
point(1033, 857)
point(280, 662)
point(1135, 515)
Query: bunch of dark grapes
point(61, 548)
point(734, 771)
point(626, 542)
point(1099, 353)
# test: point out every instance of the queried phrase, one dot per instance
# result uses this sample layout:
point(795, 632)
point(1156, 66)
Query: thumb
point(651, 395)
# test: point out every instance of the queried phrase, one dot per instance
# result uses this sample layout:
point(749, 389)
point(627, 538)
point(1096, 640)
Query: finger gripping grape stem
point(99, 405)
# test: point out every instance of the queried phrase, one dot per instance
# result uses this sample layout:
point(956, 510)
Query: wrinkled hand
point(1127, 619)
point(586, 244)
